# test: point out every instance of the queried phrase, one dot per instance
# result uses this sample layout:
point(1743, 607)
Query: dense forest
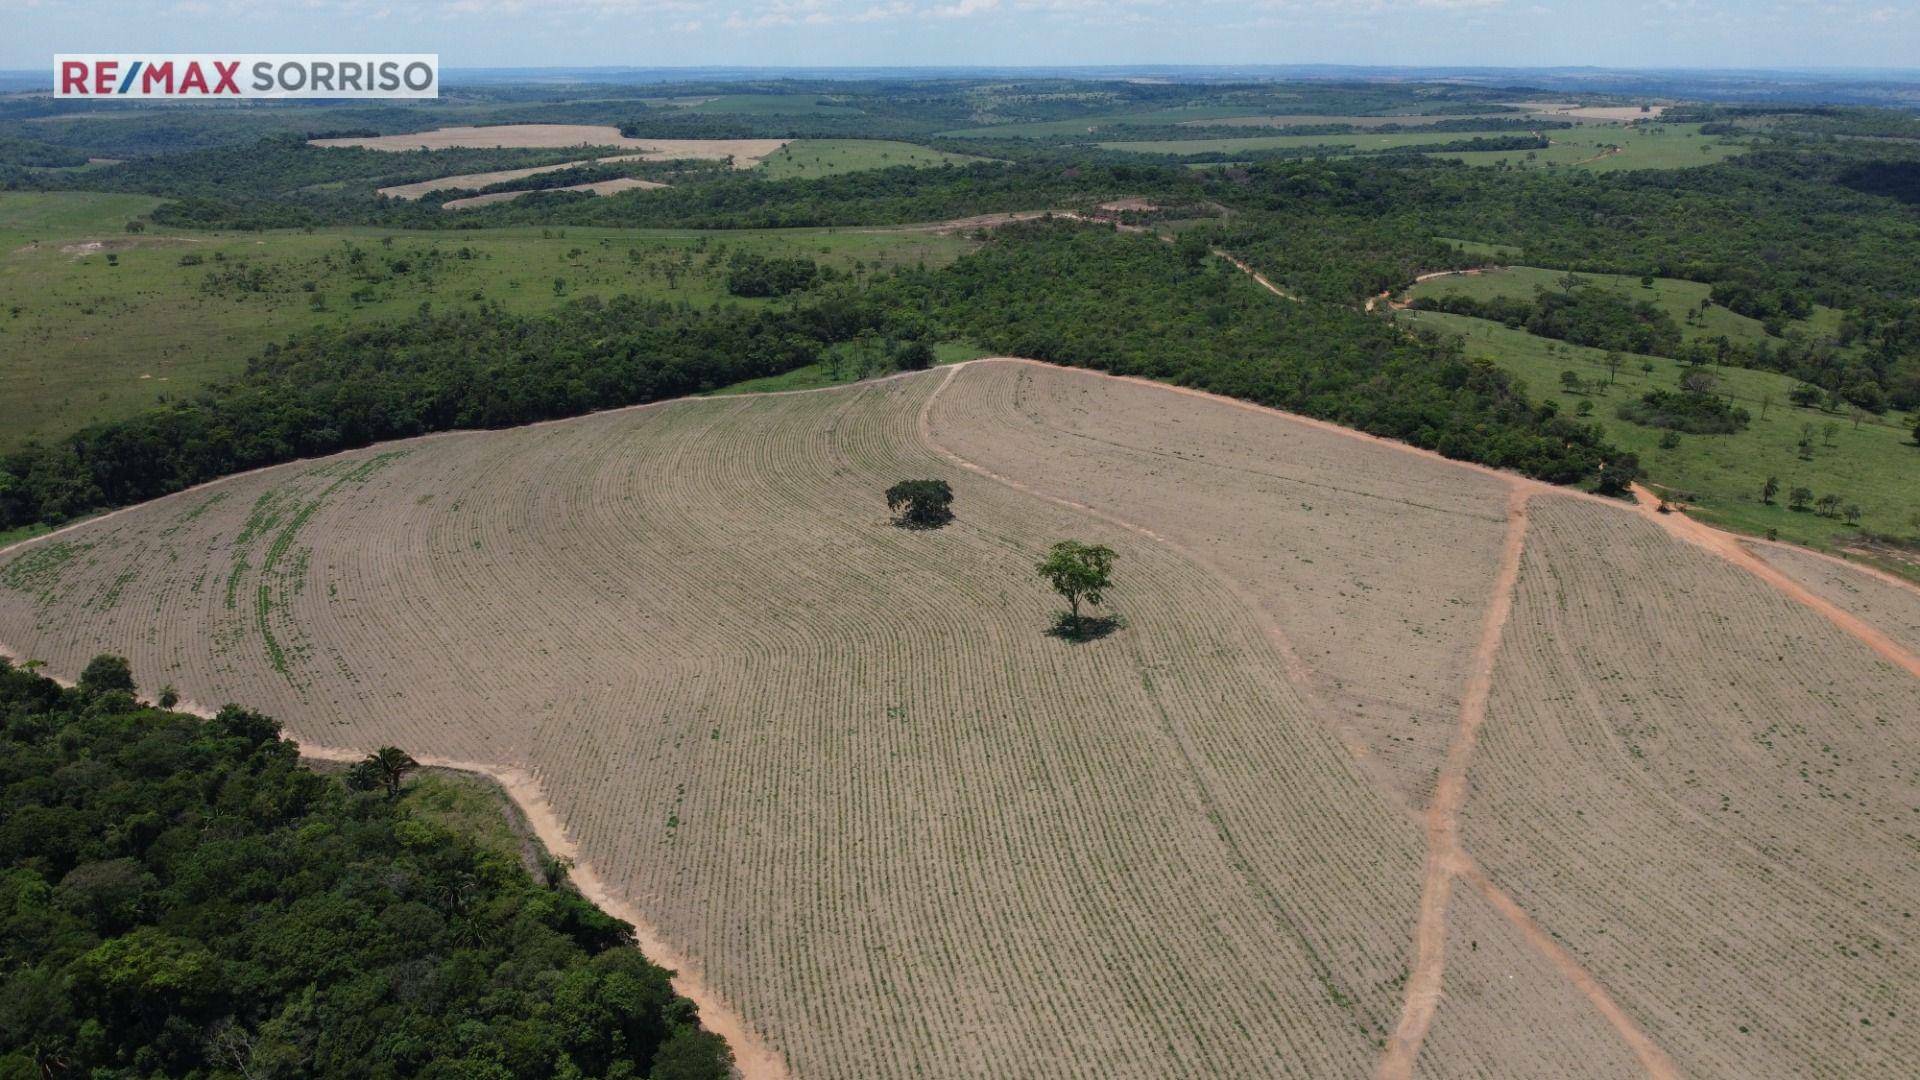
point(182, 897)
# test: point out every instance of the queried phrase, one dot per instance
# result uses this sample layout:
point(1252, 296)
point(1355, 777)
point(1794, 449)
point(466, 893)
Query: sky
point(804, 33)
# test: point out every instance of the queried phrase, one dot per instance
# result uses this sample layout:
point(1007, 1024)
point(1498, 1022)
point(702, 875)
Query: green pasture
point(1868, 461)
point(97, 323)
point(806, 159)
point(1672, 295)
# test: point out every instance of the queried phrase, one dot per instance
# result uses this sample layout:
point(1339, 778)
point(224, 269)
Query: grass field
point(1642, 146)
point(1353, 121)
point(1872, 465)
point(808, 158)
point(1648, 146)
point(1083, 125)
point(1676, 297)
point(771, 105)
point(1358, 141)
point(847, 773)
point(83, 339)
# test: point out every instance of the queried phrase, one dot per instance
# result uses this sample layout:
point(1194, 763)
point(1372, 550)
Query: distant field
point(1614, 114)
point(597, 187)
point(476, 181)
point(744, 152)
point(1357, 141)
point(1664, 146)
point(771, 105)
point(1872, 466)
point(1674, 296)
point(82, 340)
point(807, 158)
point(1086, 124)
point(1315, 120)
point(1642, 146)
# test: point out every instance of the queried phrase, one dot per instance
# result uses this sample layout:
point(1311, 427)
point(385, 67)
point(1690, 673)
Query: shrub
point(1695, 413)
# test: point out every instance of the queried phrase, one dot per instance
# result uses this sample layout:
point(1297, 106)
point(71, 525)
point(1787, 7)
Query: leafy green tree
point(1079, 572)
point(921, 504)
point(914, 356)
point(1769, 489)
point(1799, 498)
point(105, 672)
point(1618, 474)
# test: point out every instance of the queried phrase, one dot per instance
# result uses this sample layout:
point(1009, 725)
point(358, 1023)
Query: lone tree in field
point(921, 504)
point(385, 767)
point(1078, 572)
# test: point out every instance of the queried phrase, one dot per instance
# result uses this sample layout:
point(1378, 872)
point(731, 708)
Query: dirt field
point(862, 797)
point(1606, 114)
point(1890, 605)
point(598, 187)
point(476, 181)
point(1707, 791)
point(746, 153)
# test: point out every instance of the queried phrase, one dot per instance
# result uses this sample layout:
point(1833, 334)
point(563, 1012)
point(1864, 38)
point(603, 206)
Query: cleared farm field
point(845, 772)
point(1707, 791)
point(476, 181)
point(1888, 604)
point(894, 822)
point(598, 187)
point(744, 152)
point(1374, 567)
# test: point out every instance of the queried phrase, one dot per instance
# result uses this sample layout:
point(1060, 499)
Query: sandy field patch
point(598, 187)
point(746, 153)
point(1573, 110)
point(476, 181)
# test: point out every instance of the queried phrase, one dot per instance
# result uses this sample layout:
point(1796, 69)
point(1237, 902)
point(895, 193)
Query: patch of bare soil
point(598, 187)
point(116, 243)
point(745, 153)
point(476, 181)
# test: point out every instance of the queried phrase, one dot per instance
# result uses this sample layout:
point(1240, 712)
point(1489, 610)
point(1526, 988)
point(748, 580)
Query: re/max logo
point(265, 75)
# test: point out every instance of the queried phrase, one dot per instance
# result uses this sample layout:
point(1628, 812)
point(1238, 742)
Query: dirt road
point(1729, 547)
